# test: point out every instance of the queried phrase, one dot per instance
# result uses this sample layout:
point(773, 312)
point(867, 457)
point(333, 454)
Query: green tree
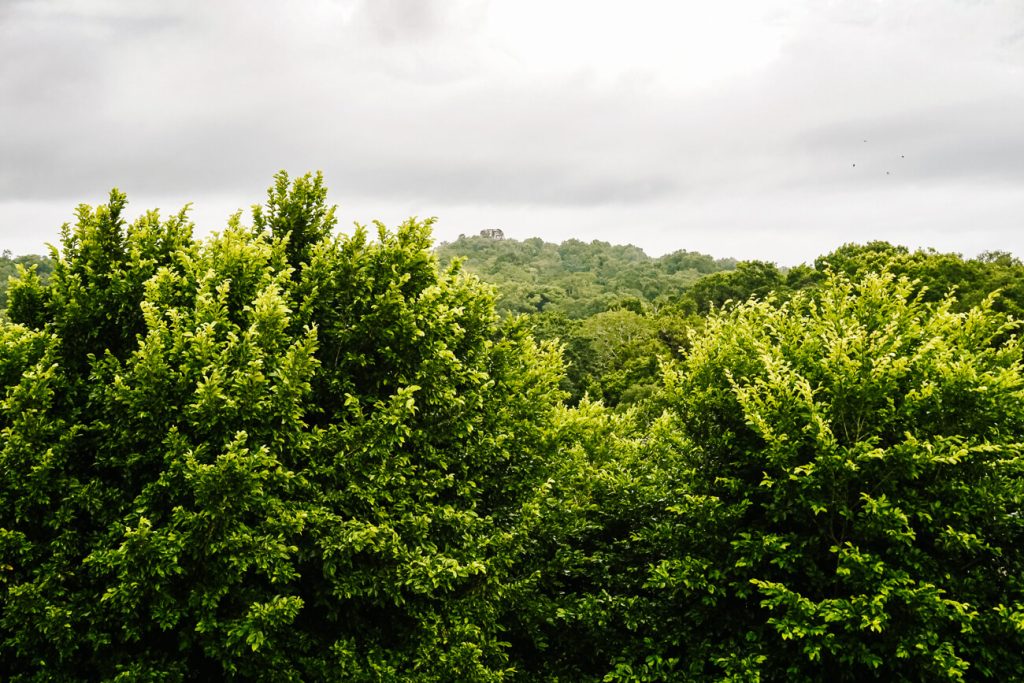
point(755, 279)
point(582, 613)
point(624, 347)
point(11, 266)
point(850, 505)
point(276, 454)
point(935, 273)
point(575, 278)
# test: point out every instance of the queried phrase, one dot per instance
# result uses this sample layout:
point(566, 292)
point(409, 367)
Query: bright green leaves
point(833, 489)
point(92, 299)
point(298, 214)
point(285, 454)
point(862, 451)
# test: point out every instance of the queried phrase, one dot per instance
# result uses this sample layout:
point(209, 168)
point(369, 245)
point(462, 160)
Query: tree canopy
point(285, 453)
point(273, 454)
point(575, 278)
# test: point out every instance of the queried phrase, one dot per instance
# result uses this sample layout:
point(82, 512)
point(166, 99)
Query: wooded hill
point(575, 278)
point(616, 311)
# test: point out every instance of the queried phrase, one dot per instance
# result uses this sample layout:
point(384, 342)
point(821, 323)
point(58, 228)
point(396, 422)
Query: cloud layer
point(773, 130)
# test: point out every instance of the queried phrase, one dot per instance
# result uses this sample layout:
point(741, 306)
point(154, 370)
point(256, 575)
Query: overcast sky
point(764, 129)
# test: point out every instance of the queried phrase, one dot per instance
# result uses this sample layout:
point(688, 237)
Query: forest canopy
point(284, 452)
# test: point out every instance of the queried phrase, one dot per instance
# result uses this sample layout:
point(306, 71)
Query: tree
point(851, 503)
point(276, 454)
point(935, 273)
point(624, 348)
point(750, 279)
point(10, 266)
point(582, 613)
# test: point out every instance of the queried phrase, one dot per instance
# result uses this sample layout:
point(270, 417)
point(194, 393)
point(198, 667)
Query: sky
point(752, 129)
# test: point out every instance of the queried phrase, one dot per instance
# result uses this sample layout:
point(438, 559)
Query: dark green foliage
point(574, 278)
point(613, 356)
point(585, 613)
point(750, 279)
point(273, 455)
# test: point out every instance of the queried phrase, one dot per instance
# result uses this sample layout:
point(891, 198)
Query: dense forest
point(616, 311)
point(286, 452)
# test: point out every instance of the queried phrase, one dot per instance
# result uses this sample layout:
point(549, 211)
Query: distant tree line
point(576, 278)
point(616, 311)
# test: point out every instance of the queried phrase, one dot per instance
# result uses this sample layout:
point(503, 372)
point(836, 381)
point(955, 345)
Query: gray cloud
point(440, 107)
point(975, 143)
point(416, 21)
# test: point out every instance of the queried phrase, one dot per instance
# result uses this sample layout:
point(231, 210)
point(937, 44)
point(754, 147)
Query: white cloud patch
point(735, 127)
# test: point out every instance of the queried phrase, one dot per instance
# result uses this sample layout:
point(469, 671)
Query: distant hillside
point(576, 278)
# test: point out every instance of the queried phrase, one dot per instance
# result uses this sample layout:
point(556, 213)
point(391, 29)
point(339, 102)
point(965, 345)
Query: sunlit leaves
point(860, 451)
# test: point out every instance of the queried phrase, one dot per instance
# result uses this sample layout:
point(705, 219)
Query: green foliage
point(614, 310)
point(614, 356)
point(750, 279)
point(851, 499)
point(272, 455)
point(298, 212)
point(936, 274)
point(832, 490)
point(284, 454)
point(574, 278)
point(12, 266)
point(582, 614)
